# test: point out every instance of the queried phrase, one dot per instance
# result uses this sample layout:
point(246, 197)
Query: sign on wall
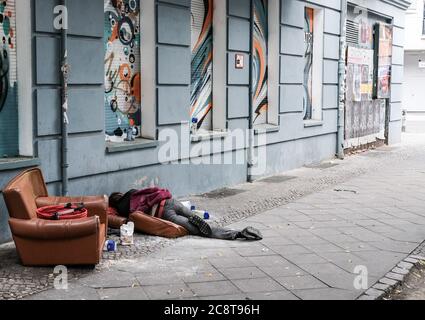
point(122, 64)
point(260, 61)
point(8, 81)
point(202, 63)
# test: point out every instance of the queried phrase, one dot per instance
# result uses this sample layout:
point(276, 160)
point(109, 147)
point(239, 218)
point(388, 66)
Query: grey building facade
point(258, 65)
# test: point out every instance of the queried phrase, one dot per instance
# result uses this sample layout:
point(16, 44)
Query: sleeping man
point(159, 203)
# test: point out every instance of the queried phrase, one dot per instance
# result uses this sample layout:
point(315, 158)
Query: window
point(423, 21)
point(201, 94)
point(260, 61)
point(9, 122)
point(313, 63)
point(122, 66)
point(266, 66)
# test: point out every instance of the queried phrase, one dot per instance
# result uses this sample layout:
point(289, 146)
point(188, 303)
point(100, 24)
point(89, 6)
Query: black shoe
point(251, 233)
point(203, 227)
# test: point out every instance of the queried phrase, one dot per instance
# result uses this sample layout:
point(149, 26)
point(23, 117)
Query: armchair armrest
point(39, 229)
point(96, 205)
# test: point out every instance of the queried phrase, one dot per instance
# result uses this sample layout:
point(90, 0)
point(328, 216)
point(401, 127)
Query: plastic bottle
point(194, 126)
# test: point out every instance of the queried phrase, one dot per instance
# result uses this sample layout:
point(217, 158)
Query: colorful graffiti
point(260, 61)
point(8, 48)
point(202, 62)
point(122, 64)
point(8, 80)
point(308, 66)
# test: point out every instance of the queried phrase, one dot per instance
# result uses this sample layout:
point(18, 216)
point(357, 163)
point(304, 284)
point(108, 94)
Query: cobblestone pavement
point(413, 286)
point(318, 222)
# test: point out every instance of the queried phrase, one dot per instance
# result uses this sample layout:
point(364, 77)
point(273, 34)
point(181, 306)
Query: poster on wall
point(359, 74)
point(122, 64)
point(202, 63)
point(384, 48)
point(365, 33)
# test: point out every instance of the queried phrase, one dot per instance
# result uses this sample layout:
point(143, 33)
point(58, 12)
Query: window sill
point(208, 135)
point(18, 163)
point(312, 123)
point(139, 143)
point(265, 128)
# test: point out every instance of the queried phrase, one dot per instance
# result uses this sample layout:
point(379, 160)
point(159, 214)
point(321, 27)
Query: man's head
point(114, 199)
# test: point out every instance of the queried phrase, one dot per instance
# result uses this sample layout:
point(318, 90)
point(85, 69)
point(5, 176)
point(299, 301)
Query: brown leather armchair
point(44, 242)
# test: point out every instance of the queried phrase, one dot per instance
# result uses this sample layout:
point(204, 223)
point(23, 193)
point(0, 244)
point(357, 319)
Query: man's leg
point(172, 216)
point(224, 234)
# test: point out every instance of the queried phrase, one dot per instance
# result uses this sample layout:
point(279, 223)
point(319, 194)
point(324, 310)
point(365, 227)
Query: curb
point(392, 279)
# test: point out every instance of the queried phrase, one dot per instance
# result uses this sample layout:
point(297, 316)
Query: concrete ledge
point(18, 163)
point(208, 135)
point(312, 123)
point(265, 128)
point(139, 143)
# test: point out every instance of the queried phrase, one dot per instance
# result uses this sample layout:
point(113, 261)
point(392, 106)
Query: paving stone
point(418, 257)
point(325, 294)
point(374, 293)
point(388, 281)
point(411, 260)
point(109, 279)
point(367, 297)
point(257, 285)
point(220, 263)
point(172, 291)
point(283, 271)
point(394, 276)
point(275, 295)
point(306, 258)
point(242, 273)
point(217, 288)
point(300, 282)
point(290, 249)
point(382, 287)
point(400, 271)
point(268, 261)
point(136, 293)
point(74, 292)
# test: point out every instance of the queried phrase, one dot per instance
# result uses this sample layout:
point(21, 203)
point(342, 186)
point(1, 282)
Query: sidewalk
point(369, 210)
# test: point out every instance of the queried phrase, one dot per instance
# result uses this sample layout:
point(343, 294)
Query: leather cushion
point(157, 227)
point(54, 230)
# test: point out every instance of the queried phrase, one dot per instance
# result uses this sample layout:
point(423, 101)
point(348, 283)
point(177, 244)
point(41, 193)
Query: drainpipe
point(341, 81)
point(64, 72)
point(251, 99)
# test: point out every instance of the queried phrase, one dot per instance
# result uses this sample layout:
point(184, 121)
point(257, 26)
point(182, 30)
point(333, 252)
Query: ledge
point(18, 163)
point(139, 143)
point(313, 123)
point(208, 135)
point(265, 128)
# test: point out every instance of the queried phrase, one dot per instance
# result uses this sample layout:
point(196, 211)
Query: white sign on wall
point(421, 64)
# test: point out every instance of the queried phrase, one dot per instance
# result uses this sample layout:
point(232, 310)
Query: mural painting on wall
point(202, 62)
point(8, 80)
point(308, 63)
point(260, 61)
point(122, 64)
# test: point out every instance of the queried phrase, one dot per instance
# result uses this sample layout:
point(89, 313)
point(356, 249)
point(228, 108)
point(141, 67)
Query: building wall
point(95, 170)
point(415, 39)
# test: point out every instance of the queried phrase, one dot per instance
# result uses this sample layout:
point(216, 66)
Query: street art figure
point(260, 61)
point(7, 35)
point(122, 64)
point(202, 62)
point(308, 66)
